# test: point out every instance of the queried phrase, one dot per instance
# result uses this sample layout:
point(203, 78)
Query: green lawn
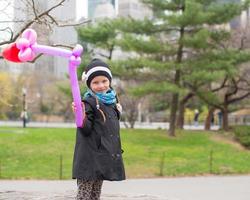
point(34, 153)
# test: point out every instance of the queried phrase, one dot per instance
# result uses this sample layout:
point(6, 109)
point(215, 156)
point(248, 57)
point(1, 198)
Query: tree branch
point(14, 38)
point(9, 30)
point(75, 24)
point(65, 46)
point(221, 86)
point(34, 10)
point(234, 91)
point(238, 98)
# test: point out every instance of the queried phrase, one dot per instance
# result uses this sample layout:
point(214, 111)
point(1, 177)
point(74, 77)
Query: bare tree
point(35, 15)
point(43, 17)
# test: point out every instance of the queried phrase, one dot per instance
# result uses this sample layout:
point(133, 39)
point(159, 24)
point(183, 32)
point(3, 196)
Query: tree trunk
point(173, 111)
point(209, 118)
point(180, 119)
point(132, 118)
point(175, 97)
point(132, 124)
point(225, 125)
point(111, 49)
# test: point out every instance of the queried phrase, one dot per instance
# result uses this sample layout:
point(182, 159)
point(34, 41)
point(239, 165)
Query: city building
point(134, 9)
point(102, 8)
point(240, 21)
point(112, 8)
point(45, 65)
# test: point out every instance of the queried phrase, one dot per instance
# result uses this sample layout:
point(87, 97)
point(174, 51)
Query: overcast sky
point(6, 13)
point(81, 8)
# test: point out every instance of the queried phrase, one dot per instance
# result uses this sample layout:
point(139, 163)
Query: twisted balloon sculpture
point(26, 48)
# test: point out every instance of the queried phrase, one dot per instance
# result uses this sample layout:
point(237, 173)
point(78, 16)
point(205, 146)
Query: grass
point(34, 153)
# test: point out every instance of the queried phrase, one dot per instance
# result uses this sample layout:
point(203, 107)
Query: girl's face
point(100, 84)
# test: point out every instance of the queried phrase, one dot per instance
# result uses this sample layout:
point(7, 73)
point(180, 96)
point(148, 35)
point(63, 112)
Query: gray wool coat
point(98, 153)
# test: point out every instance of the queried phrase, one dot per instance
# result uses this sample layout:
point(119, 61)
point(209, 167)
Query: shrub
point(242, 134)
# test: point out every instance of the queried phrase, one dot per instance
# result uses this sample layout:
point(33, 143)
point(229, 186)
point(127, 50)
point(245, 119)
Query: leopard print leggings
point(89, 190)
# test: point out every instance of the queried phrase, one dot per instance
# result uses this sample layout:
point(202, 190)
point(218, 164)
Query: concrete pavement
point(139, 125)
point(185, 188)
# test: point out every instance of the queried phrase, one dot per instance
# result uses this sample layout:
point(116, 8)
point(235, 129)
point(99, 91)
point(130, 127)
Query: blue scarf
point(108, 97)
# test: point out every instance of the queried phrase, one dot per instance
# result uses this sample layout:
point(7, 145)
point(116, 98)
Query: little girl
point(98, 153)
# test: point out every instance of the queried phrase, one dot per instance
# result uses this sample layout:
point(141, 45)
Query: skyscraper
point(134, 9)
point(110, 8)
point(125, 8)
point(240, 21)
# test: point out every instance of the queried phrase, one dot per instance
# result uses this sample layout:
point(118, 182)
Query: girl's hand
point(119, 107)
point(73, 106)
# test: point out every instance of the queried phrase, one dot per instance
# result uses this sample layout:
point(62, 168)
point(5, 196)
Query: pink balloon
point(30, 35)
point(76, 94)
point(22, 43)
point(77, 50)
point(74, 60)
point(28, 48)
point(26, 55)
point(55, 51)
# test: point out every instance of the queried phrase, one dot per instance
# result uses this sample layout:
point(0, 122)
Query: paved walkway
point(187, 188)
point(139, 125)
